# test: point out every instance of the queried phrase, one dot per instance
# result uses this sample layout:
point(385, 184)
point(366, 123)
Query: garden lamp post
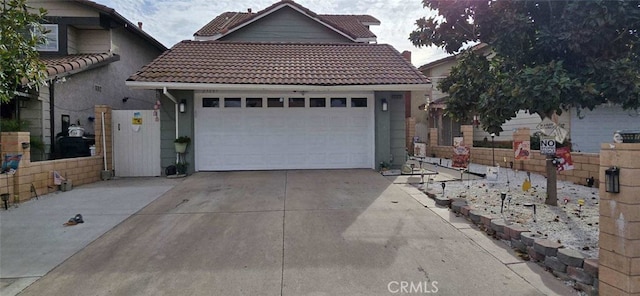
point(493, 151)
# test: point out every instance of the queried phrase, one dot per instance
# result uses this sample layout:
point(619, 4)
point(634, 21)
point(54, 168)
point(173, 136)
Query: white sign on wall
point(547, 146)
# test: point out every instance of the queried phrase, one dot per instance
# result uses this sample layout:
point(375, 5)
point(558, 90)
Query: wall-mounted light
point(385, 105)
point(612, 180)
point(25, 145)
point(183, 106)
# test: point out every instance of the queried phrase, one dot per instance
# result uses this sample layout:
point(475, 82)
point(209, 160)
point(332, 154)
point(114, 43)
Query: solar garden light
point(503, 196)
point(443, 186)
point(528, 204)
point(580, 204)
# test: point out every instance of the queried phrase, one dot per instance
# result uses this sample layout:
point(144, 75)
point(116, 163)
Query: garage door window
point(317, 103)
point(359, 102)
point(254, 102)
point(275, 102)
point(210, 103)
point(338, 102)
point(232, 103)
point(296, 102)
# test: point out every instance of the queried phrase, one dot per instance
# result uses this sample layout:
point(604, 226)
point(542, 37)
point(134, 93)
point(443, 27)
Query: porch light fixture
point(612, 180)
point(385, 105)
point(183, 106)
point(25, 145)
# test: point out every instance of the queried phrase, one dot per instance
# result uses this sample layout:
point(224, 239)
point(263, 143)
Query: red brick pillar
point(619, 262)
point(467, 133)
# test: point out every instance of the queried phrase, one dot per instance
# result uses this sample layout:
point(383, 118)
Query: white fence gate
point(136, 143)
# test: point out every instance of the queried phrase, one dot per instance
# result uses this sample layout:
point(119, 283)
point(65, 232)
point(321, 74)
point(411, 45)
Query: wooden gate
point(136, 143)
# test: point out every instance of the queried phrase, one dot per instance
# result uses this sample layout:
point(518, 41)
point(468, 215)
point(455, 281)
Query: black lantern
point(612, 180)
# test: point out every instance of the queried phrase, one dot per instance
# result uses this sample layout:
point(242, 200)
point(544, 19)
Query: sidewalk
point(33, 239)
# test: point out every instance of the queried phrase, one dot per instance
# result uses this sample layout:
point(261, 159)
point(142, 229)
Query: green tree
point(20, 33)
point(547, 56)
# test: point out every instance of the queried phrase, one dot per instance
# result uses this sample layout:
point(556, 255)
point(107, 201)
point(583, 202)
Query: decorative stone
point(519, 245)
point(561, 275)
point(474, 215)
point(591, 267)
point(498, 225)
point(587, 289)
point(555, 264)
point(456, 205)
point(465, 210)
point(442, 201)
point(528, 238)
point(570, 257)
point(503, 236)
point(486, 219)
point(535, 256)
point(579, 275)
point(515, 230)
point(546, 247)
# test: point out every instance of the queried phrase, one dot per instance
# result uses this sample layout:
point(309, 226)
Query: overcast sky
point(171, 21)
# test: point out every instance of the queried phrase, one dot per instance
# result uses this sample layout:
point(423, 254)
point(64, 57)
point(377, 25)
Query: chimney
point(249, 10)
point(140, 25)
point(407, 55)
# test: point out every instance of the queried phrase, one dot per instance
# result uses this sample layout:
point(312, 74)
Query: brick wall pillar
point(19, 187)
point(98, 132)
point(467, 133)
point(619, 262)
point(411, 132)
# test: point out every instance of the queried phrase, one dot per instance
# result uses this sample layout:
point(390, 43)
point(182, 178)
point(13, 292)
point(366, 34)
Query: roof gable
point(353, 27)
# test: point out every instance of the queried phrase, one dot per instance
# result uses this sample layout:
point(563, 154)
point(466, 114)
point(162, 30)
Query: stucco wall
point(390, 129)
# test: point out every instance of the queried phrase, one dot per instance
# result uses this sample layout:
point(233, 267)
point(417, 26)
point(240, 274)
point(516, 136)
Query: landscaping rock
point(503, 236)
point(555, 264)
point(535, 256)
point(498, 225)
point(546, 247)
point(474, 215)
point(587, 289)
point(465, 210)
point(442, 201)
point(579, 275)
point(456, 205)
point(528, 238)
point(515, 230)
point(591, 267)
point(561, 275)
point(486, 219)
point(570, 257)
point(518, 244)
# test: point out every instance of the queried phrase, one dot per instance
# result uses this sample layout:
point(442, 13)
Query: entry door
point(136, 143)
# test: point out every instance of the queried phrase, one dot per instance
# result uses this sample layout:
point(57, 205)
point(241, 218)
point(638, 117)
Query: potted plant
point(181, 143)
point(181, 168)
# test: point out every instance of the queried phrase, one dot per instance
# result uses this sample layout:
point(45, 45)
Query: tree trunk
point(552, 183)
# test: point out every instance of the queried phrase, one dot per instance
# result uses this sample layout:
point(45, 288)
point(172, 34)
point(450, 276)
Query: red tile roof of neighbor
point(76, 62)
point(215, 62)
point(351, 25)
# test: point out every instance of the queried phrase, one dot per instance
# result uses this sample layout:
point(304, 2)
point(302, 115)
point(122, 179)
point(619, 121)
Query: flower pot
point(181, 147)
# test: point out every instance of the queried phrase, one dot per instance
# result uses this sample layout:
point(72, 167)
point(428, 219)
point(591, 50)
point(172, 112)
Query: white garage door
point(280, 132)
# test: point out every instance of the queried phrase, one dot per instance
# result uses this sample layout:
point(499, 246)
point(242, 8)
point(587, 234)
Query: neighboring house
point(590, 128)
point(283, 88)
point(91, 50)
point(449, 128)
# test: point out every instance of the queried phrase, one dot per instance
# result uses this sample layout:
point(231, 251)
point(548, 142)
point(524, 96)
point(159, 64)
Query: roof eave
point(276, 87)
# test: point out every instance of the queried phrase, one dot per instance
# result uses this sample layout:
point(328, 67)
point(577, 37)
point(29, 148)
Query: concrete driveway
point(336, 232)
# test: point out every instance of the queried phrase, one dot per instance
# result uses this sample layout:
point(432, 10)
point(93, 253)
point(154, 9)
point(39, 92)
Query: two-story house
point(90, 52)
point(283, 88)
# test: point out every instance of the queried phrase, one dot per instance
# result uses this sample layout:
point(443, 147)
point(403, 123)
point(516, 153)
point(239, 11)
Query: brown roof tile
point(280, 64)
point(74, 63)
point(351, 25)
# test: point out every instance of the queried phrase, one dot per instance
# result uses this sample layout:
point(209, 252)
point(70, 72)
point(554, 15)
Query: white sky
point(171, 21)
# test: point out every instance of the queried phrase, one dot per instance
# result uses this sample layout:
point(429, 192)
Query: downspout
point(52, 120)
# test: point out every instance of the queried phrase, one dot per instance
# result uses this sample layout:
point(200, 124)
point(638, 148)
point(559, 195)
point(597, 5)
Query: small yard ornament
point(526, 185)
point(580, 204)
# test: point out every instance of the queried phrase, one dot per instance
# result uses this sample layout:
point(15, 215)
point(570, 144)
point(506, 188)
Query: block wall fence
point(38, 176)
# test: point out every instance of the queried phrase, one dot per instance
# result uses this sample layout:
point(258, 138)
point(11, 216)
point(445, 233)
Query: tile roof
point(215, 62)
point(355, 26)
point(74, 63)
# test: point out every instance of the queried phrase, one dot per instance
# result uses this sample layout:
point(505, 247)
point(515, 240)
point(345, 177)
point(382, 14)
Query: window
point(296, 102)
point(358, 102)
point(317, 102)
point(275, 102)
point(253, 103)
point(232, 103)
point(51, 43)
point(338, 102)
point(210, 103)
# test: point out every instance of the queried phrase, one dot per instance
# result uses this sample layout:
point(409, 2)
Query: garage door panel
point(284, 138)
